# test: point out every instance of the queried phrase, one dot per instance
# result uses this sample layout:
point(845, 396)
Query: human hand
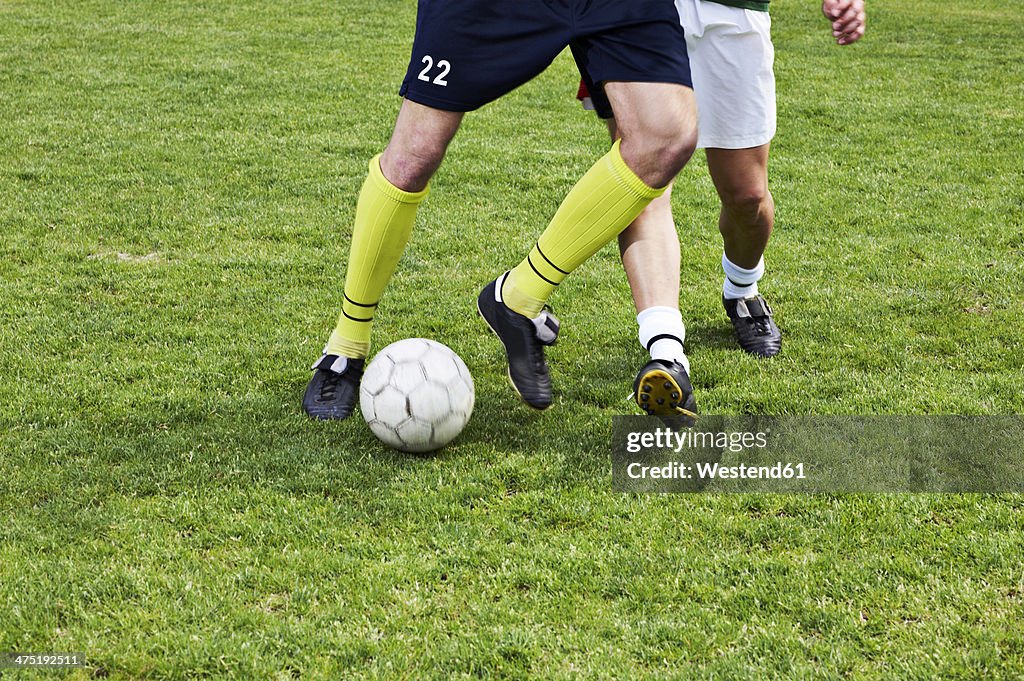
point(847, 17)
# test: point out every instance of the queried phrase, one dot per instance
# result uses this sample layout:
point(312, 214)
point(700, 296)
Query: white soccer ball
point(416, 395)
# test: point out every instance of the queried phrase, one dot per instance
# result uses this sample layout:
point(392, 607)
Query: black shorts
point(470, 52)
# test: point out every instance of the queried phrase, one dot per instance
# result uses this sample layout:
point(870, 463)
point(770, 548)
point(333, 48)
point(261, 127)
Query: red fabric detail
point(582, 93)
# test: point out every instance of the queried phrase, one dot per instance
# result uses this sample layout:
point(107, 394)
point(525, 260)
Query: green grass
point(178, 181)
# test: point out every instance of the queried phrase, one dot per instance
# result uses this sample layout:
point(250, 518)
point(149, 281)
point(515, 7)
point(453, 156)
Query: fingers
point(851, 37)
point(848, 19)
point(833, 8)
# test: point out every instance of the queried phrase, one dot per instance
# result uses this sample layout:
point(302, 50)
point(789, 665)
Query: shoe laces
point(329, 388)
point(762, 322)
point(536, 355)
point(762, 325)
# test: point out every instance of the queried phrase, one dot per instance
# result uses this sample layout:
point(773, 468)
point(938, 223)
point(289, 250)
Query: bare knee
point(673, 149)
point(657, 156)
point(658, 126)
point(748, 194)
point(751, 204)
point(410, 167)
point(418, 145)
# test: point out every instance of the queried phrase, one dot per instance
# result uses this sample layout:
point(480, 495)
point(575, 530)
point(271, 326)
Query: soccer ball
point(416, 395)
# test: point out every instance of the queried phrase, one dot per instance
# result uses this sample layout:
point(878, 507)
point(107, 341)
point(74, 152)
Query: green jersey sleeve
point(756, 5)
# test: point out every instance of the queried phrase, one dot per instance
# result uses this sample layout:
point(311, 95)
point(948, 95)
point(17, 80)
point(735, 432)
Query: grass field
point(178, 180)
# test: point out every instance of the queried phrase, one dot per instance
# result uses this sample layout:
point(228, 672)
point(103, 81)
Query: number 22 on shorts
point(443, 67)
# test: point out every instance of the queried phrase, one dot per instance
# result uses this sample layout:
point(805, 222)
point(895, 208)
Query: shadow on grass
point(198, 444)
point(714, 335)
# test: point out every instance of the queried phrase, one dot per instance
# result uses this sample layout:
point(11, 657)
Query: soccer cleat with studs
point(756, 331)
point(662, 388)
point(524, 340)
point(331, 393)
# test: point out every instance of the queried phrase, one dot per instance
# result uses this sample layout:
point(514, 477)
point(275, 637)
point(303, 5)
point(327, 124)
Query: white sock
point(740, 282)
point(662, 333)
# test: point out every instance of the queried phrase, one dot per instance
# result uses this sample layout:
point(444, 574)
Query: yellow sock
point(602, 204)
point(384, 219)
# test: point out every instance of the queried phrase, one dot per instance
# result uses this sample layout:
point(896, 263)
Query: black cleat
point(755, 329)
point(524, 340)
point(662, 388)
point(331, 393)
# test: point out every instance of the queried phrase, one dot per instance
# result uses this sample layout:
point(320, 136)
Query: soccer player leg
point(395, 186)
point(732, 61)
point(608, 197)
point(650, 257)
point(657, 127)
point(464, 55)
point(654, 144)
point(748, 212)
point(649, 248)
point(647, 62)
point(385, 212)
point(661, 122)
point(746, 221)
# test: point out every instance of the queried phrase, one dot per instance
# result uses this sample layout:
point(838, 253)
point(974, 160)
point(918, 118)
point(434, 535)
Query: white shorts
point(731, 60)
